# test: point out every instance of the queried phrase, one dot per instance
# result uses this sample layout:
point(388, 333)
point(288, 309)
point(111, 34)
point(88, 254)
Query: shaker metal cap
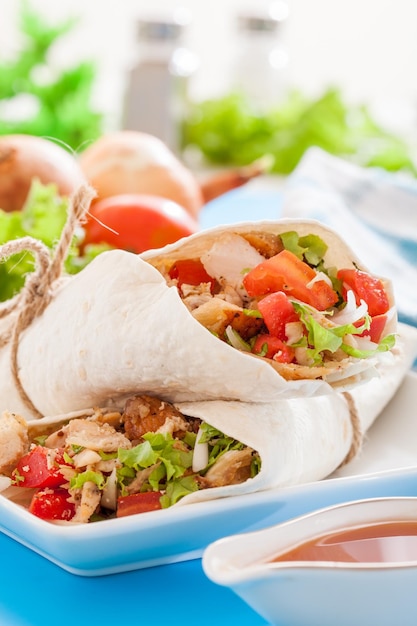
point(266, 20)
point(163, 28)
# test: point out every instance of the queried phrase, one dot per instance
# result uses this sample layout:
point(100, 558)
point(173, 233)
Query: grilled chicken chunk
point(217, 314)
point(233, 467)
point(144, 414)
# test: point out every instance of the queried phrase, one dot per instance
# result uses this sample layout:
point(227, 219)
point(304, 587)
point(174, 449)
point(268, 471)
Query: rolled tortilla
point(227, 253)
point(302, 440)
point(299, 440)
point(117, 328)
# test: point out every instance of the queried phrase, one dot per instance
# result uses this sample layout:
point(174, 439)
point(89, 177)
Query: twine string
point(357, 434)
point(38, 289)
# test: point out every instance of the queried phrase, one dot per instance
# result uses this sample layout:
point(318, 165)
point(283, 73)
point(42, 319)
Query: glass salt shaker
point(158, 84)
point(260, 70)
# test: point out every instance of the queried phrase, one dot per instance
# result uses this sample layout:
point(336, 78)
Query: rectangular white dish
point(387, 465)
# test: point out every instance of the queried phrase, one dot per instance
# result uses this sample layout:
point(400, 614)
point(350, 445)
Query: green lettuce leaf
point(177, 489)
point(233, 130)
point(159, 449)
point(320, 338)
point(79, 480)
point(310, 248)
point(386, 344)
point(43, 217)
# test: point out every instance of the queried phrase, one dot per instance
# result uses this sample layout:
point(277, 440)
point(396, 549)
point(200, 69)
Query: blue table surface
point(36, 592)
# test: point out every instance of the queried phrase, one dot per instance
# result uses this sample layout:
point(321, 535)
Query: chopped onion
point(320, 276)
point(236, 340)
point(109, 493)
point(86, 457)
point(302, 357)
point(201, 453)
point(293, 332)
point(360, 343)
point(351, 313)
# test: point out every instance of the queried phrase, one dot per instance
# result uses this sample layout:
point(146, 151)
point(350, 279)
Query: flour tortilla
point(338, 255)
point(299, 440)
point(116, 329)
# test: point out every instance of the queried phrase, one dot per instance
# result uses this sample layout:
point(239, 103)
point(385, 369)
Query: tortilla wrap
point(228, 253)
point(299, 440)
point(305, 439)
point(117, 328)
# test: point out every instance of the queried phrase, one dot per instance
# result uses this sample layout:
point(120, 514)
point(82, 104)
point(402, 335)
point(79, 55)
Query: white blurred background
point(367, 48)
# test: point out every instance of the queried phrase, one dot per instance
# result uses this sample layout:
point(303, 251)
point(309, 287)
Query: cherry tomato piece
point(52, 504)
point(136, 222)
point(286, 272)
point(367, 288)
point(37, 469)
point(139, 503)
point(277, 311)
point(273, 348)
point(190, 272)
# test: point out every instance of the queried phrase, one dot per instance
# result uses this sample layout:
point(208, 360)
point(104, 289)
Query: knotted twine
point(40, 284)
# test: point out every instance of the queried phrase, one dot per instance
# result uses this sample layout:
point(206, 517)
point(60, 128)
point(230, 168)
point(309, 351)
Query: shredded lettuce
point(320, 338)
point(252, 313)
point(177, 489)
point(235, 340)
point(219, 443)
point(158, 448)
point(170, 463)
point(386, 344)
point(43, 217)
point(310, 248)
point(80, 479)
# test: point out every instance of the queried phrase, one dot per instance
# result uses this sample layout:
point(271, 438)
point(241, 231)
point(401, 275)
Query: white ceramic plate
point(386, 466)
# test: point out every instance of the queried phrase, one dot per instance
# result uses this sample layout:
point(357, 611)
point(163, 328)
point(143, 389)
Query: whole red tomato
point(137, 222)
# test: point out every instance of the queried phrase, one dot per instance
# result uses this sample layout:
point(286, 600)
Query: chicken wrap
point(148, 454)
point(251, 331)
point(289, 292)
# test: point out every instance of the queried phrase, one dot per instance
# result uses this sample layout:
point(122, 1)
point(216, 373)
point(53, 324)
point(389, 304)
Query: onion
point(109, 493)
point(294, 332)
point(200, 454)
point(134, 162)
point(320, 276)
point(24, 157)
point(351, 313)
point(236, 340)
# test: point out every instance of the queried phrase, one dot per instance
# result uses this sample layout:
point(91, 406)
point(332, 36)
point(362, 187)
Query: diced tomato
point(273, 347)
point(376, 328)
point(34, 469)
point(367, 288)
point(277, 311)
point(139, 503)
point(50, 504)
point(286, 272)
point(190, 272)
